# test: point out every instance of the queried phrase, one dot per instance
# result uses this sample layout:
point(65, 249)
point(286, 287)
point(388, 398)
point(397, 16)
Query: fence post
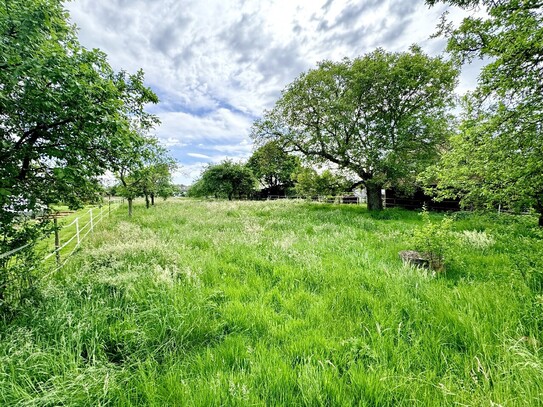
point(57, 241)
point(77, 230)
point(91, 223)
point(109, 206)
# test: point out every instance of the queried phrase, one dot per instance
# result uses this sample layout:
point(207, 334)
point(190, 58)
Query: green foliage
point(197, 190)
point(227, 179)
point(382, 116)
point(20, 271)
point(305, 179)
point(310, 183)
point(434, 241)
point(147, 172)
point(66, 116)
point(497, 157)
point(273, 167)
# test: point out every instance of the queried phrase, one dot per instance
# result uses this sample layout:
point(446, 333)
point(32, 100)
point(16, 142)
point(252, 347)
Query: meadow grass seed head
point(477, 239)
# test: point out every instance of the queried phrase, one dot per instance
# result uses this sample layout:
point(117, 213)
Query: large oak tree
point(382, 116)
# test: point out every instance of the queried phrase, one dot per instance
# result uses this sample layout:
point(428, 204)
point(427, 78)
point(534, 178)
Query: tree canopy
point(227, 179)
point(273, 167)
point(158, 181)
point(497, 156)
point(382, 116)
point(309, 183)
point(65, 115)
point(146, 170)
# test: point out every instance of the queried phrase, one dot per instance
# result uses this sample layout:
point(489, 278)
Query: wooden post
point(91, 224)
point(77, 230)
point(57, 241)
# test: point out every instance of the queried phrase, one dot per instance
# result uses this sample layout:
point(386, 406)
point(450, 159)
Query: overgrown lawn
point(282, 303)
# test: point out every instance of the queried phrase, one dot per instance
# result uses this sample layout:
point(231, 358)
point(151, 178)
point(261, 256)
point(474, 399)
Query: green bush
point(433, 240)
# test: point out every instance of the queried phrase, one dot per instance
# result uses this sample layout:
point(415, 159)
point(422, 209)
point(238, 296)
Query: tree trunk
point(129, 207)
point(147, 201)
point(539, 210)
point(152, 199)
point(375, 202)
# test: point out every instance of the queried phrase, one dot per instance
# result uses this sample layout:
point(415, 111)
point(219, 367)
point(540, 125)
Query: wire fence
point(13, 252)
point(67, 238)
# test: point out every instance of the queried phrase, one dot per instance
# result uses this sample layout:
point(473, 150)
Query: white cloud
point(172, 142)
point(196, 155)
point(188, 173)
point(219, 126)
point(218, 64)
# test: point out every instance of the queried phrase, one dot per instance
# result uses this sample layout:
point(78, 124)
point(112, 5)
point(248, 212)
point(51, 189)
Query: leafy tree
point(382, 116)
point(273, 167)
point(146, 171)
point(310, 183)
point(224, 180)
point(161, 182)
point(65, 116)
point(305, 184)
point(497, 157)
point(197, 189)
point(157, 179)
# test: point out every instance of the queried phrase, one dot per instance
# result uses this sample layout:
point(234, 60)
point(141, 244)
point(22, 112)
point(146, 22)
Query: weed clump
point(433, 241)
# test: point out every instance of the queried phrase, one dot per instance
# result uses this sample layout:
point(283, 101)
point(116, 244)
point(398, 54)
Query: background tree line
point(270, 171)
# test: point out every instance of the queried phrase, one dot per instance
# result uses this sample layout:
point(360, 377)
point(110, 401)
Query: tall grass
point(282, 303)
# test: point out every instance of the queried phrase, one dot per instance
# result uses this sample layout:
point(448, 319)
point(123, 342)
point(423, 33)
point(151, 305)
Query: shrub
point(433, 240)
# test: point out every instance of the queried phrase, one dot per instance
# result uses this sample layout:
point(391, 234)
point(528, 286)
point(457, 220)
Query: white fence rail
point(95, 216)
point(338, 199)
point(78, 232)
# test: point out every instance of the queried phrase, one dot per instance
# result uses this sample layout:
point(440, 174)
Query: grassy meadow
point(208, 303)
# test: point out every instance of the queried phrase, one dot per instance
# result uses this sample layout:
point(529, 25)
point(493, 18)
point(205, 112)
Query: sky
point(216, 65)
